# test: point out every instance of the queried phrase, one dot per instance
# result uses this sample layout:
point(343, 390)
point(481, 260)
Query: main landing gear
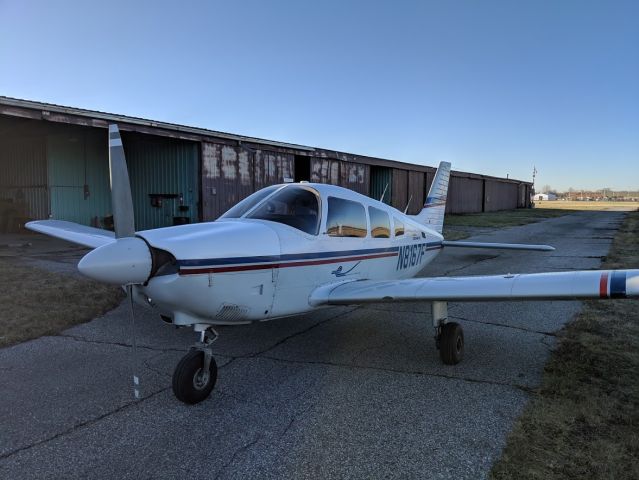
point(449, 337)
point(196, 374)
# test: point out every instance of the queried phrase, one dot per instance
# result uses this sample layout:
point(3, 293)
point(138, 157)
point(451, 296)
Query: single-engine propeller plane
point(288, 249)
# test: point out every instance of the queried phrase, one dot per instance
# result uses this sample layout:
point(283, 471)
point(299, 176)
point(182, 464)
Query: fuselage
point(241, 269)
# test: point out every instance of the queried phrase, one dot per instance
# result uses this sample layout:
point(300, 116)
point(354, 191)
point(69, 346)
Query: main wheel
point(191, 384)
point(451, 343)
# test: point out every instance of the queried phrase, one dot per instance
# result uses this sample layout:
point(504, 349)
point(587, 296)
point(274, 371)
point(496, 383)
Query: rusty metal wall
point(355, 176)
point(325, 170)
point(465, 195)
point(227, 178)
point(400, 189)
point(271, 168)
point(23, 176)
point(500, 195)
point(416, 192)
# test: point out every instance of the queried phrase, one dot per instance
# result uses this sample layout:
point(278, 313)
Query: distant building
point(544, 197)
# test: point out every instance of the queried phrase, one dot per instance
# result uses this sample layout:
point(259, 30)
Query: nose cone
point(127, 260)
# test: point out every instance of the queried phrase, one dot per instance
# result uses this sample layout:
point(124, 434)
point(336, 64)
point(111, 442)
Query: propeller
point(127, 261)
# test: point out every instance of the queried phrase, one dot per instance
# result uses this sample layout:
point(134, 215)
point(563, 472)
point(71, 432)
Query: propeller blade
point(136, 378)
point(121, 201)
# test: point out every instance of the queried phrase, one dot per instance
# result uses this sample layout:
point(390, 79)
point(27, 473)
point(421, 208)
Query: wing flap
point(73, 232)
point(534, 286)
point(501, 246)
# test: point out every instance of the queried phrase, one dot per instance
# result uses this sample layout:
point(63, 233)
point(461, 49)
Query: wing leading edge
point(73, 232)
point(534, 286)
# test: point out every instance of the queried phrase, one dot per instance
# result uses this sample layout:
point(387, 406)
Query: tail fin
point(432, 214)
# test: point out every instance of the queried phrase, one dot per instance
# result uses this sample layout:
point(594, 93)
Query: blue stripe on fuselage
point(287, 257)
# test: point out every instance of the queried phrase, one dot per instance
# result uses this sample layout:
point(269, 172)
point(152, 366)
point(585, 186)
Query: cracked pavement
point(339, 393)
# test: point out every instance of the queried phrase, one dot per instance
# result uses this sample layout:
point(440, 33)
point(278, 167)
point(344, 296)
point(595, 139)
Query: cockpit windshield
point(293, 205)
point(249, 202)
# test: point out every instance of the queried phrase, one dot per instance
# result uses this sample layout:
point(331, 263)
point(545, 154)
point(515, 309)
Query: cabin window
point(249, 202)
point(399, 227)
point(345, 218)
point(380, 223)
point(295, 206)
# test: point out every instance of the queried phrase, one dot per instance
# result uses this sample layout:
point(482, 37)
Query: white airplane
point(288, 249)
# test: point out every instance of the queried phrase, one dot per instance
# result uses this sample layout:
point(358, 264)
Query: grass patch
point(37, 302)
point(583, 421)
point(454, 224)
point(601, 206)
point(506, 218)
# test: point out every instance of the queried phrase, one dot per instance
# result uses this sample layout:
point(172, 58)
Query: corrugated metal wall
point(416, 192)
point(78, 175)
point(227, 177)
point(465, 195)
point(325, 170)
point(355, 176)
point(500, 195)
point(23, 175)
point(400, 189)
point(272, 168)
point(168, 167)
point(381, 183)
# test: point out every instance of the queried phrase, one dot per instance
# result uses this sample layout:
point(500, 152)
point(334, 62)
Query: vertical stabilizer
point(432, 215)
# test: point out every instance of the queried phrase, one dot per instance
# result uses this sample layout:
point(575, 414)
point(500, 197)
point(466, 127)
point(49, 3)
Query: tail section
point(432, 215)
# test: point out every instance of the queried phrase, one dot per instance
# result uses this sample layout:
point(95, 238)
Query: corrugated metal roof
point(112, 117)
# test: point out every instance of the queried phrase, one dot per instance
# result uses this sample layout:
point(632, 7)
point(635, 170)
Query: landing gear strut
point(196, 374)
point(449, 336)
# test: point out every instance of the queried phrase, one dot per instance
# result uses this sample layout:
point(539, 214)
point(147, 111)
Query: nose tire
point(190, 384)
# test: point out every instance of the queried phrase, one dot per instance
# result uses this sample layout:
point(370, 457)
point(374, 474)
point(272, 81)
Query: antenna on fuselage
point(383, 193)
point(408, 204)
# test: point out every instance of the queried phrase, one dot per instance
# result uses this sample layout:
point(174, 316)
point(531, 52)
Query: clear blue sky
point(492, 86)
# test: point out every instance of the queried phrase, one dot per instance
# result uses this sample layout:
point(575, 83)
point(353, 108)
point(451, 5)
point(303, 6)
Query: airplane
point(288, 249)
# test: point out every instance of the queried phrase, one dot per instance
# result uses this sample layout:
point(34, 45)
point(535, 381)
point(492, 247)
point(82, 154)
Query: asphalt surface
point(340, 393)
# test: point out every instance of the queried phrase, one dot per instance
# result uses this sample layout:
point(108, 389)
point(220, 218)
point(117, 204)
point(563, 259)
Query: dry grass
point(454, 225)
point(36, 302)
point(583, 422)
point(603, 206)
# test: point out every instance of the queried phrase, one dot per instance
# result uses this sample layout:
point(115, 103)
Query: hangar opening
point(302, 168)
point(381, 183)
point(61, 172)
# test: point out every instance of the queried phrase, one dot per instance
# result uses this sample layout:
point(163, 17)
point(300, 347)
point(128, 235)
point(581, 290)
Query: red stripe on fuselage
point(603, 285)
point(243, 268)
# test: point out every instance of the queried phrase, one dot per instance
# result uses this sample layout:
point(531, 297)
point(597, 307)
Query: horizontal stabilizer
point(533, 286)
point(502, 246)
point(73, 232)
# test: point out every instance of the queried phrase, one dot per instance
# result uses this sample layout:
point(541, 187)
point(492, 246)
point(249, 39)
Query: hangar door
point(164, 180)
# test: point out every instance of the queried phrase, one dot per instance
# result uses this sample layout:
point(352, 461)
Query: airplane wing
point(501, 246)
point(534, 286)
point(73, 232)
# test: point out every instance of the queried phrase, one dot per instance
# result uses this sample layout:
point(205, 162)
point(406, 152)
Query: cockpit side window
point(380, 223)
point(345, 218)
point(295, 206)
point(249, 202)
point(399, 227)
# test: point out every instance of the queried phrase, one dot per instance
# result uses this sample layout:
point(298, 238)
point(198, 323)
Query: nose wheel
point(195, 376)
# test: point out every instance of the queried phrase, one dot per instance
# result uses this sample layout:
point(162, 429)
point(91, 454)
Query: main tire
point(451, 343)
point(190, 384)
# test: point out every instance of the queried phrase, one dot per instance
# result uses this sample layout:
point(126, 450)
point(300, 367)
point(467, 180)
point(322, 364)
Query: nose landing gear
point(195, 376)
